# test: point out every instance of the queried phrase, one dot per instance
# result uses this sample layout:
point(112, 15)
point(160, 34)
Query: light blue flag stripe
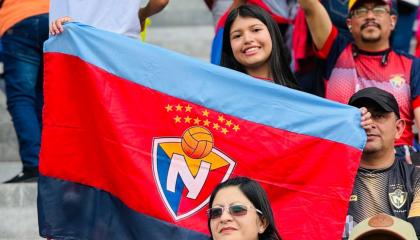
point(211, 86)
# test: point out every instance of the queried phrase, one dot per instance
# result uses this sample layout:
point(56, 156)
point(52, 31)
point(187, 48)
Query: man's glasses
point(234, 210)
point(363, 12)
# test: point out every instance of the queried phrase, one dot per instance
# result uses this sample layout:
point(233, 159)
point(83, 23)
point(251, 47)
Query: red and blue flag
point(135, 138)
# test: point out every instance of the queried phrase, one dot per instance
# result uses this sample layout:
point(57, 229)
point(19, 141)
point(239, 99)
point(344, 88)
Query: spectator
point(368, 61)
point(383, 226)
point(111, 15)
point(239, 209)
point(400, 41)
point(252, 44)
point(282, 12)
point(382, 184)
point(23, 30)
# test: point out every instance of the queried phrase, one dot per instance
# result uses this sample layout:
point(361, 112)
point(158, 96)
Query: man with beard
point(368, 60)
point(382, 184)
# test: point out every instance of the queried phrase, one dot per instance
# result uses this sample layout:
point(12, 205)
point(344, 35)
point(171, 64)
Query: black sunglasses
point(234, 210)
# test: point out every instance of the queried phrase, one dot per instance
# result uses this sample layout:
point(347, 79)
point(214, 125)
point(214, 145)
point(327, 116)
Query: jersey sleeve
point(329, 45)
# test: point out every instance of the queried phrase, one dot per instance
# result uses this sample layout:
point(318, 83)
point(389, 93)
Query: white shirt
point(119, 16)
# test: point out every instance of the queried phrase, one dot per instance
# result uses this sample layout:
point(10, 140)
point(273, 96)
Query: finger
point(366, 116)
point(54, 27)
point(367, 125)
point(60, 24)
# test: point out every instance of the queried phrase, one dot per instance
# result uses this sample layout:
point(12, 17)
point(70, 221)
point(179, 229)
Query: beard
point(369, 39)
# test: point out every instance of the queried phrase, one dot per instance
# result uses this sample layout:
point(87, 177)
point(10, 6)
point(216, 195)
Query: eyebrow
point(231, 204)
point(239, 30)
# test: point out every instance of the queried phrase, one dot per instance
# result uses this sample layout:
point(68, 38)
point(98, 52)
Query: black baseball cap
point(384, 99)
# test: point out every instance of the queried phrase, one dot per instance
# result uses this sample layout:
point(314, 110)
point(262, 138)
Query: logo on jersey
point(397, 81)
point(188, 167)
point(398, 198)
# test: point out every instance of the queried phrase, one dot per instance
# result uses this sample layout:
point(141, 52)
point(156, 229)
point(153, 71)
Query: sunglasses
point(234, 210)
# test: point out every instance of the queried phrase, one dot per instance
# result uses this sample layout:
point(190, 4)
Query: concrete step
point(19, 223)
point(18, 213)
point(193, 41)
point(183, 13)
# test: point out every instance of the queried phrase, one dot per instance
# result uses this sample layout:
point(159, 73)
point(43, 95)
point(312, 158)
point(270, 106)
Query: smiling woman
point(252, 44)
point(239, 210)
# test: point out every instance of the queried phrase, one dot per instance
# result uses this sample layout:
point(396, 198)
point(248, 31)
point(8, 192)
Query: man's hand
point(366, 121)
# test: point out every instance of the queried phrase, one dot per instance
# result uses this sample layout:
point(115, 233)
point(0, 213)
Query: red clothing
point(349, 70)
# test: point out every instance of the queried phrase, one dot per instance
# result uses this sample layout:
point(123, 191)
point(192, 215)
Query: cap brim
point(372, 232)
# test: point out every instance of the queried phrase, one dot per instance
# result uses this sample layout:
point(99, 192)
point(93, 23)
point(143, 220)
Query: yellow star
point(236, 128)
point(205, 113)
point(224, 131)
point(177, 119)
point(228, 123)
point(178, 108)
point(197, 121)
point(206, 122)
point(221, 118)
point(216, 126)
point(168, 108)
point(187, 119)
point(188, 108)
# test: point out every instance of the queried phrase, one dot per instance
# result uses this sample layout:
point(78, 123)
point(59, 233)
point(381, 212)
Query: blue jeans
point(23, 68)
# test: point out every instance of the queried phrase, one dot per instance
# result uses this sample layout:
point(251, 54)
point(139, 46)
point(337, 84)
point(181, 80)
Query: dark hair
point(279, 60)
point(256, 194)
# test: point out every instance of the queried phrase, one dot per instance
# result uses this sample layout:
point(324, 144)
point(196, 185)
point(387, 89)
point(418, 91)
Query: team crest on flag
point(188, 167)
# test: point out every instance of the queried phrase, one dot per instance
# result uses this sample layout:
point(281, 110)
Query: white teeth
point(251, 49)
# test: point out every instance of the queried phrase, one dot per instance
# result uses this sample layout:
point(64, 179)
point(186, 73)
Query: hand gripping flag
point(135, 138)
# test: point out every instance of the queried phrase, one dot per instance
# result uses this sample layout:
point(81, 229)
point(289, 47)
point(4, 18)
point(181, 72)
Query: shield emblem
point(184, 182)
point(398, 198)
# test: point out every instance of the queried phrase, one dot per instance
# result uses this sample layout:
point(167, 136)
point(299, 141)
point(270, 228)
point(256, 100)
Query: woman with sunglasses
point(239, 209)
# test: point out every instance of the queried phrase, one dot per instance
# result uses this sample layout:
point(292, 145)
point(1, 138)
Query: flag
point(135, 138)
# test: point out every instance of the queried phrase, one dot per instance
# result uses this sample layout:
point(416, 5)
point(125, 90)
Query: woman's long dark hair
point(279, 60)
point(256, 194)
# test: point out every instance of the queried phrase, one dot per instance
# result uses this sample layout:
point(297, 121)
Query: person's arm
point(318, 20)
point(153, 7)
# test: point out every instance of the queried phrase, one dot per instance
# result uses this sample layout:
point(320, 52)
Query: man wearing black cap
point(368, 60)
point(382, 184)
